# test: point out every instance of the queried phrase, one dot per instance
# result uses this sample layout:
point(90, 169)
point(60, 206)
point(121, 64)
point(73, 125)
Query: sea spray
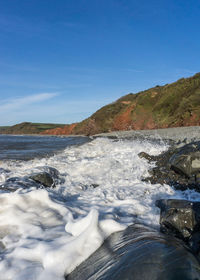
point(48, 232)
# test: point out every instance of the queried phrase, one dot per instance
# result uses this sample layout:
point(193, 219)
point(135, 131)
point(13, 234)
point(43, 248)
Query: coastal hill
point(172, 105)
point(28, 128)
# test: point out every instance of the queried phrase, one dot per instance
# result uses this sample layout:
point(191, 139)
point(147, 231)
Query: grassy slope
point(28, 128)
point(3, 128)
point(176, 104)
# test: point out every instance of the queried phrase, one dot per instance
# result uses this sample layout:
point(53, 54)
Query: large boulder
point(138, 253)
point(43, 178)
point(53, 173)
point(51, 170)
point(186, 160)
point(181, 218)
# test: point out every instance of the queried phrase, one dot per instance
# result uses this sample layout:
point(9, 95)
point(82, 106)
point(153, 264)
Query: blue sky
point(61, 60)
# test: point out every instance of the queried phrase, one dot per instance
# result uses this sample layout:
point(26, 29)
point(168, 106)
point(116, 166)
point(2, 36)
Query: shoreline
point(183, 134)
point(45, 135)
point(175, 134)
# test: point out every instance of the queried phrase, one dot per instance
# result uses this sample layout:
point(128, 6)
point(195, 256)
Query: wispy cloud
point(18, 103)
point(49, 108)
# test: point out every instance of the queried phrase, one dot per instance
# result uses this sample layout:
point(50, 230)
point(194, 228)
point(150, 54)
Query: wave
point(45, 233)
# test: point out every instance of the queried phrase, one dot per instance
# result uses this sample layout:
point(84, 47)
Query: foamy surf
point(46, 233)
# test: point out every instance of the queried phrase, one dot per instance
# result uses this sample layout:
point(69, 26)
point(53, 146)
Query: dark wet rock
point(181, 143)
point(165, 173)
point(52, 171)
point(146, 156)
point(94, 185)
point(85, 187)
point(181, 218)
point(162, 172)
point(197, 177)
point(44, 179)
point(138, 253)
point(186, 160)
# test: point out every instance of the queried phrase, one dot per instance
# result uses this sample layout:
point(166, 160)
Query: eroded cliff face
point(171, 105)
point(66, 130)
point(131, 119)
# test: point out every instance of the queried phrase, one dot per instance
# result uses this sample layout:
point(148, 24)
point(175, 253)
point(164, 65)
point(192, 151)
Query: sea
point(45, 233)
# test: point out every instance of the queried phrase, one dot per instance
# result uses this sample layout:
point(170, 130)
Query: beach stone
point(186, 160)
point(181, 218)
point(85, 187)
point(44, 179)
point(137, 253)
point(94, 185)
point(52, 171)
point(36, 180)
point(146, 156)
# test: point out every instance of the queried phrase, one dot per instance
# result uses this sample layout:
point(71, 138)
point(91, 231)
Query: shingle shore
point(182, 134)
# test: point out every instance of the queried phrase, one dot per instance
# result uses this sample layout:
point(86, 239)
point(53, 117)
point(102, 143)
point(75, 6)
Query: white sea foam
point(46, 233)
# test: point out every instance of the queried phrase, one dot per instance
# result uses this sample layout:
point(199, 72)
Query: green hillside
point(171, 105)
point(28, 128)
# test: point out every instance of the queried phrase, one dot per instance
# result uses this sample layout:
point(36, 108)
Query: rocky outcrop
point(65, 130)
point(46, 176)
point(181, 218)
point(138, 253)
point(177, 167)
point(186, 160)
point(44, 179)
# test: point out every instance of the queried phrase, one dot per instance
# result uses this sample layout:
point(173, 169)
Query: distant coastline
point(187, 133)
point(172, 105)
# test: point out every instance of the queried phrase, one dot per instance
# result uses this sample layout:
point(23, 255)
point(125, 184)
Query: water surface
point(28, 147)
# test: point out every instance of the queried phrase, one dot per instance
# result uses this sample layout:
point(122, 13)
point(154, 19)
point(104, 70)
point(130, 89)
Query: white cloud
point(18, 103)
point(48, 108)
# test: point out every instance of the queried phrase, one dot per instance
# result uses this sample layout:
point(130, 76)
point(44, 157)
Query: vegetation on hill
point(171, 105)
point(28, 128)
point(3, 129)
